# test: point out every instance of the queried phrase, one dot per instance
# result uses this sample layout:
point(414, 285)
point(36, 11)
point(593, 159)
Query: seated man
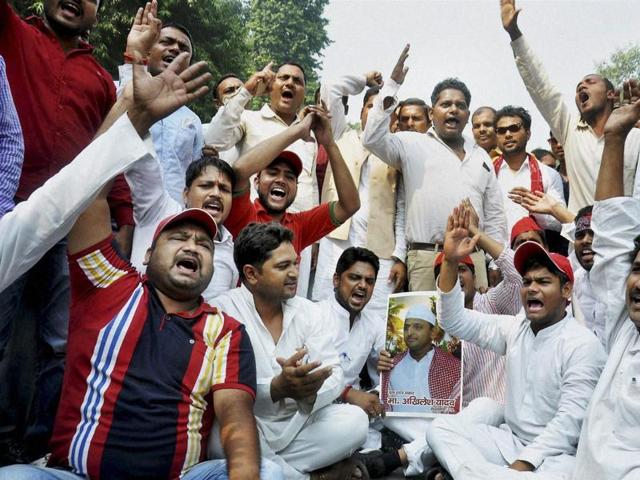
point(209, 183)
point(299, 374)
point(277, 184)
point(609, 444)
point(545, 404)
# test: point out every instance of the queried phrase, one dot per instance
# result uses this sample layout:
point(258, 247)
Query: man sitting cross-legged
point(299, 374)
point(149, 364)
point(553, 364)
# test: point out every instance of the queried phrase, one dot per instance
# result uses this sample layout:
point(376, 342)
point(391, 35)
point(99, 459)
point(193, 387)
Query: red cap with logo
point(196, 215)
point(533, 249)
point(292, 159)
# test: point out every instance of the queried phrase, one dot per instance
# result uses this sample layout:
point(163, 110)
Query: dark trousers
point(33, 360)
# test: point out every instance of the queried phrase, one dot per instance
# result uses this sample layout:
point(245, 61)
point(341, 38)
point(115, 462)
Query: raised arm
point(377, 137)
point(153, 99)
point(547, 98)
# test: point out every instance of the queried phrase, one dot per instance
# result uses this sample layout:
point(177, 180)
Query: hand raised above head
point(374, 79)
point(156, 97)
point(624, 118)
point(145, 30)
point(509, 14)
point(260, 82)
point(399, 71)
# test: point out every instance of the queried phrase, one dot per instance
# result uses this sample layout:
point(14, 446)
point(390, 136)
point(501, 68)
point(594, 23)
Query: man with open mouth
point(439, 168)
point(178, 138)
point(553, 364)
point(581, 134)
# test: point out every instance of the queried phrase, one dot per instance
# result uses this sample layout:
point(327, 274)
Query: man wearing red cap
point(545, 405)
point(527, 230)
point(276, 181)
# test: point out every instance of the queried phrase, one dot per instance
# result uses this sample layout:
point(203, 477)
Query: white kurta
point(550, 376)
point(610, 443)
point(37, 224)
point(586, 305)
point(355, 346)
point(582, 148)
point(152, 204)
point(411, 376)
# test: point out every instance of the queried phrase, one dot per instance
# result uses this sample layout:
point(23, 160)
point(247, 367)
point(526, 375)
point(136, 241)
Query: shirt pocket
point(626, 417)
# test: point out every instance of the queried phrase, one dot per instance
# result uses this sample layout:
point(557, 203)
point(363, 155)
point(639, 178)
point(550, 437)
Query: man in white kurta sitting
point(609, 443)
point(298, 369)
point(553, 364)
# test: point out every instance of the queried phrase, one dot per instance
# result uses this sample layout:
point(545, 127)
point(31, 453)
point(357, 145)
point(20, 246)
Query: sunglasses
point(511, 128)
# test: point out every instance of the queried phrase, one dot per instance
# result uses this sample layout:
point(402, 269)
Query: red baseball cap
point(525, 224)
point(196, 215)
point(440, 258)
point(292, 159)
point(534, 249)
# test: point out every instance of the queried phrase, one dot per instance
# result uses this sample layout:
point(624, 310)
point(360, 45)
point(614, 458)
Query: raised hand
point(156, 97)
point(400, 70)
point(457, 243)
point(474, 219)
point(374, 79)
point(509, 14)
point(623, 118)
point(260, 82)
point(321, 124)
point(534, 202)
point(298, 380)
point(145, 30)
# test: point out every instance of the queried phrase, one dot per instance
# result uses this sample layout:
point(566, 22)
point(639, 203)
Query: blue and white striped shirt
point(11, 145)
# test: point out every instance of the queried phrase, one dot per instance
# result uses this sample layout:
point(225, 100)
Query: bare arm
point(238, 433)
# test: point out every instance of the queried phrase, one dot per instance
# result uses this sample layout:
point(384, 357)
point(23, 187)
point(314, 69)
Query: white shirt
point(235, 126)
point(550, 376)
point(435, 179)
point(412, 376)
point(279, 422)
point(585, 303)
point(582, 148)
point(610, 443)
point(551, 183)
point(355, 346)
point(152, 204)
point(46, 217)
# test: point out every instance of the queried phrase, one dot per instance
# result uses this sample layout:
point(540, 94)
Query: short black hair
point(541, 152)
point(295, 64)
point(357, 254)
point(370, 93)
point(414, 102)
point(184, 30)
point(588, 210)
point(513, 111)
point(197, 168)
point(453, 83)
point(220, 80)
point(436, 269)
point(484, 108)
point(538, 261)
point(636, 248)
point(256, 241)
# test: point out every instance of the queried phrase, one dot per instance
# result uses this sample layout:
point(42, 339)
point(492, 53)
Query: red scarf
point(534, 169)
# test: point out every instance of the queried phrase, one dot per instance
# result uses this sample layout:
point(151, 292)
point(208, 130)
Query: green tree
point(623, 64)
point(289, 30)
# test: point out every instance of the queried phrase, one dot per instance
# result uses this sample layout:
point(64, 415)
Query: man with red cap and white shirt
point(540, 424)
point(276, 182)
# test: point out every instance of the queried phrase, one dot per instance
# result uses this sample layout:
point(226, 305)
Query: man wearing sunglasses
point(518, 168)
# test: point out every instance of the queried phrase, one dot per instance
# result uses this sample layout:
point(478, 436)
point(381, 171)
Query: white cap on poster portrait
point(421, 312)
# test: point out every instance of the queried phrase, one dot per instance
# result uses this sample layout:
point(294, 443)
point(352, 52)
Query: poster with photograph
point(426, 378)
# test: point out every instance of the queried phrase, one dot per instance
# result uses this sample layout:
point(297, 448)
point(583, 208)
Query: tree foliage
point(623, 64)
point(230, 35)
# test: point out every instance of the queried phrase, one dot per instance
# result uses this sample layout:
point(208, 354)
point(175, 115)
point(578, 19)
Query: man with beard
point(277, 171)
point(62, 96)
point(544, 409)
point(517, 168)
point(178, 138)
point(413, 116)
point(298, 368)
point(244, 129)
point(580, 135)
point(209, 185)
point(609, 441)
point(483, 123)
point(439, 169)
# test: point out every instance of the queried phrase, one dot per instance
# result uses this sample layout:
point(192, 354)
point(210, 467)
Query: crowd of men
point(210, 300)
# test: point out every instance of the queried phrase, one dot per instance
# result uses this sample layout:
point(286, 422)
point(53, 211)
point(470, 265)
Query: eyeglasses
point(511, 128)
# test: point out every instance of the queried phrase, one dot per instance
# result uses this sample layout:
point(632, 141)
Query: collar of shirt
point(224, 236)
point(203, 308)
point(341, 313)
point(551, 330)
point(37, 22)
point(262, 212)
point(288, 309)
point(268, 113)
point(523, 167)
point(635, 347)
point(469, 144)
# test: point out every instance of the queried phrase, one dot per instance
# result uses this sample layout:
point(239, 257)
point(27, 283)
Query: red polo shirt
point(61, 97)
point(308, 227)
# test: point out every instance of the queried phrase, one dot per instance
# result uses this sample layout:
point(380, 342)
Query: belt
point(434, 247)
